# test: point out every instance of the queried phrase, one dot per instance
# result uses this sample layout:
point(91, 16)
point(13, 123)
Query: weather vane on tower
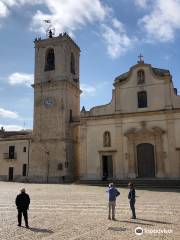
point(50, 29)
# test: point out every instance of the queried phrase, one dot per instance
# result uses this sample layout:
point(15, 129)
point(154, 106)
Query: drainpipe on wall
point(28, 157)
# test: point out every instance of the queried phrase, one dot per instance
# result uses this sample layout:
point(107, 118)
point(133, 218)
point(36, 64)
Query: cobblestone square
point(79, 212)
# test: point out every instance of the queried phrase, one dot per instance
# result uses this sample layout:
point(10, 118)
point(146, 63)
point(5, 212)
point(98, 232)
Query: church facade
point(136, 135)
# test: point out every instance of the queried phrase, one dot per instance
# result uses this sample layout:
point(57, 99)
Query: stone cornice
point(131, 114)
point(107, 150)
point(144, 131)
point(55, 83)
point(55, 40)
point(123, 78)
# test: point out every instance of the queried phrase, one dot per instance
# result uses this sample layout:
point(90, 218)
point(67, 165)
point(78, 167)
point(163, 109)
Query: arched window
point(50, 60)
point(107, 139)
point(142, 99)
point(140, 77)
point(72, 64)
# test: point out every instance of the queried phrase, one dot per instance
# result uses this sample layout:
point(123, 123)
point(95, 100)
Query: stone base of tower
point(50, 162)
point(36, 179)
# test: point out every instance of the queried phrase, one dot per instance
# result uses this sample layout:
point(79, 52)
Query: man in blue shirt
point(132, 199)
point(113, 193)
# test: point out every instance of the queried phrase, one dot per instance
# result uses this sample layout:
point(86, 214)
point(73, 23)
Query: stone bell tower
point(56, 110)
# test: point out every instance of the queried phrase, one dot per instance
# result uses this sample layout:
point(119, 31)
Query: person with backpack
point(132, 199)
point(113, 193)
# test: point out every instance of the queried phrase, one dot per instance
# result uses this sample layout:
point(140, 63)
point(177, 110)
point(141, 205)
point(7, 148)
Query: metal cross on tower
point(141, 58)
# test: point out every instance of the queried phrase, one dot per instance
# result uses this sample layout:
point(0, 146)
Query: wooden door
point(145, 160)
point(11, 173)
point(107, 167)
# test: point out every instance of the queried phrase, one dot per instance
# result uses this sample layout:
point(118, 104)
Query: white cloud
point(65, 15)
point(8, 114)
point(142, 3)
point(11, 3)
point(88, 90)
point(11, 127)
point(167, 57)
point(163, 21)
point(118, 25)
point(6, 5)
point(3, 10)
point(21, 79)
point(116, 38)
point(70, 15)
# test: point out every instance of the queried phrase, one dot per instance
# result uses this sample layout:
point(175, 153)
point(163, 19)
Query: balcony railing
point(10, 156)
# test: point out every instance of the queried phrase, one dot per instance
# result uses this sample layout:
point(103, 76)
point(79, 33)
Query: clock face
point(48, 102)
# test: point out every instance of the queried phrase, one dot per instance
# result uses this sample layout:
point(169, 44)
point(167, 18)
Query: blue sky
point(110, 33)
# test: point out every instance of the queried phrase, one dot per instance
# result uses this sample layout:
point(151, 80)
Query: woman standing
point(132, 199)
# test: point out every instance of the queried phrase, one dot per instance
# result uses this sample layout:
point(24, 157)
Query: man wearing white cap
point(22, 203)
point(113, 193)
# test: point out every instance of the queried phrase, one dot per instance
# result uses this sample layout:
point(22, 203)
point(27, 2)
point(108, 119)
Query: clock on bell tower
point(56, 109)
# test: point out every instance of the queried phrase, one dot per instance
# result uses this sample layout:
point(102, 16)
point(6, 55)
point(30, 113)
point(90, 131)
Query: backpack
point(117, 193)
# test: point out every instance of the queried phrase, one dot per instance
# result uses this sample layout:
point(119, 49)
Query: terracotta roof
point(122, 77)
point(7, 134)
point(161, 72)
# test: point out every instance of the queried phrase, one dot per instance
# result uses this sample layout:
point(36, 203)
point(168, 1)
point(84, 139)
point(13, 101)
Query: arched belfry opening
point(49, 60)
point(140, 77)
point(72, 64)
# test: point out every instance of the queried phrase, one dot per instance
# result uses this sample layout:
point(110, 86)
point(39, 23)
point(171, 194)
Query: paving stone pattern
point(79, 212)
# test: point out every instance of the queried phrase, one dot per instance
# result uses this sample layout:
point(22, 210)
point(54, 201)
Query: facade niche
point(142, 99)
point(107, 139)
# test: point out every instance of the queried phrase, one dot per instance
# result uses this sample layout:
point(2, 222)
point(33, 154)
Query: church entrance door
point(11, 171)
point(107, 167)
point(145, 160)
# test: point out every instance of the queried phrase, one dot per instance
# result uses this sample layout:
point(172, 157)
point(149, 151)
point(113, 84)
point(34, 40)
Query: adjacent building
point(14, 155)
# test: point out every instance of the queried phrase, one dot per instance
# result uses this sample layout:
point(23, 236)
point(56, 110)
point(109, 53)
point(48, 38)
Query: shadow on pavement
point(120, 229)
point(42, 230)
point(154, 221)
point(135, 222)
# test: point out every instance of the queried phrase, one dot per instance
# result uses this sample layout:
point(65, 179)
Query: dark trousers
point(132, 206)
point(25, 215)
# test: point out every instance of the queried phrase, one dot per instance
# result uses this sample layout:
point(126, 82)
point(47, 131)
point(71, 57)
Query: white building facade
point(136, 135)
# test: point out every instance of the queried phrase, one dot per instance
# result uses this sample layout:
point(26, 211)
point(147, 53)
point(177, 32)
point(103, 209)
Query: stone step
point(161, 183)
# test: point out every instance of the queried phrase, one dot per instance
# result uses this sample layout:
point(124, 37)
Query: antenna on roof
point(50, 29)
point(24, 124)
